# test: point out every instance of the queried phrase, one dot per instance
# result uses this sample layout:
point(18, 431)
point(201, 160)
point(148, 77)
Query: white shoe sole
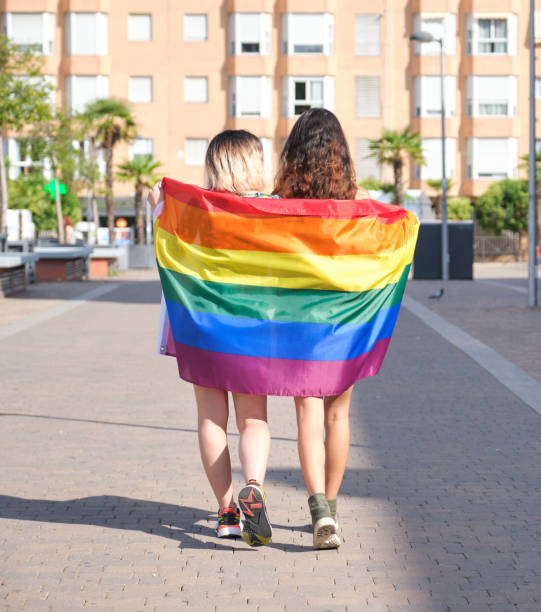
point(325, 535)
point(229, 532)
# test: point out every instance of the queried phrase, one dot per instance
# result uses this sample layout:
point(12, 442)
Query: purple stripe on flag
point(271, 376)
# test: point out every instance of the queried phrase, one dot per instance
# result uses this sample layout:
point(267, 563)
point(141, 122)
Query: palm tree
point(111, 122)
point(391, 149)
point(139, 171)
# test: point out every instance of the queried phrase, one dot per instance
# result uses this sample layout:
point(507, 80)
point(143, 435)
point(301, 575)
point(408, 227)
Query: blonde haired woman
point(233, 163)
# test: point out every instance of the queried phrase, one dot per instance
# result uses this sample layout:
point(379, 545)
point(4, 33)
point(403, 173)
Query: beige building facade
point(191, 68)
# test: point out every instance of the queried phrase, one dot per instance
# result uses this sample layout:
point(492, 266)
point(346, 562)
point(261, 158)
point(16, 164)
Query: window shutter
point(285, 33)
point(102, 34)
point(232, 34)
point(367, 35)
point(512, 34)
point(449, 41)
point(14, 158)
point(493, 157)
point(265, 23)
point(449, 87)
point(328, 93)
point(512, 95)
point(417, 26)
point(367, 97)
point(471, 35)
point(471, 109)
point(266, 96)
point(49, 29)
point(102, 87)
point(287, 95)
point(365, 166)
point(512, 148)
point(195, 150)
point(328, 34)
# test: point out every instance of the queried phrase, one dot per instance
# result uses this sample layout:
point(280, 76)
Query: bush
point(504, 206)
point(459, 209)
point(375, 184)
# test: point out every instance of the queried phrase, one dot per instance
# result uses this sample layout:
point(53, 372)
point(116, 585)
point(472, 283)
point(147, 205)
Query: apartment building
point(192, 68)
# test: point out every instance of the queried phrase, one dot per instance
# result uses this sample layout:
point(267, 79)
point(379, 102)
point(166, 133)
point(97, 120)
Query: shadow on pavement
point(180, 523)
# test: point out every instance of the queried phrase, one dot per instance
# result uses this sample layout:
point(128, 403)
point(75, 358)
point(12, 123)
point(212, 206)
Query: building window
point(365, 166)
point(195, 28)
point(31, 31)
point(196, 89)
point(491, 96)
point(302, 93)
point(491, 158)
point(195, 150)
point(427, 96)
point(250, 96)
point(142, 146)
point(440, 26)
point(25, 156)
point(367, 29)
point(307, 33)
point(496, 36)
point(267, 157)
point(367, 100)
point(140, 89)
point(250, 33)
point(83, 90)
point(432, 155)
point(492, 36)
point(86, 34)
point(140, 28)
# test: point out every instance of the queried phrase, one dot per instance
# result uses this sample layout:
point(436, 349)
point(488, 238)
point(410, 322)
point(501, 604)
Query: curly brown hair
point(315, 162)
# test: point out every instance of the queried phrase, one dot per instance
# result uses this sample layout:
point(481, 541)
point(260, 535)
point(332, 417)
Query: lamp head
point(422, 37)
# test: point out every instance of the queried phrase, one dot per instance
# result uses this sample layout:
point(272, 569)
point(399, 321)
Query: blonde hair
point(234, 162)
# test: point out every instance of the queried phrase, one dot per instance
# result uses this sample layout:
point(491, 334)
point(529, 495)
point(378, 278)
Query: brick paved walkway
point(104, 504)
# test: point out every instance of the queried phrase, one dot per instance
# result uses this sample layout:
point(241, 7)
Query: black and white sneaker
point(256, 530)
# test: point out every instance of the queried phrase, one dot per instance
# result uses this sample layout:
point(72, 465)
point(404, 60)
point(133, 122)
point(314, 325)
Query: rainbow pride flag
point(280, 297)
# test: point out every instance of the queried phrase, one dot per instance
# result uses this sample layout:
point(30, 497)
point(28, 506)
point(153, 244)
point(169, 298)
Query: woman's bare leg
point(212, 415)
point(310, 442)
point(254, 443)
point(336, 441)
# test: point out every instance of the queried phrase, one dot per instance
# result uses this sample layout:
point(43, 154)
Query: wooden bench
point(13, 271)
point(62, 263)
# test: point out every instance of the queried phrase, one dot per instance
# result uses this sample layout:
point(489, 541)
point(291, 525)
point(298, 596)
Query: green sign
point(51, 189)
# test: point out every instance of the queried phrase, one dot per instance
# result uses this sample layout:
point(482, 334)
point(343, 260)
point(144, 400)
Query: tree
point(24, 100)
point(504, 206)
point(26, 191)
point(392, 149)
point(139, 171)
point(57, 136)
point(111, 122)
point(526, 158)
point(437, 185)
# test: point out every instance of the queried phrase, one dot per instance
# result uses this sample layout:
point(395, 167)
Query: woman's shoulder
point(362, 194)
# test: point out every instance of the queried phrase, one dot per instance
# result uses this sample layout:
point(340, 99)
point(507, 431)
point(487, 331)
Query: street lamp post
point(425, 37)
point(532, 204)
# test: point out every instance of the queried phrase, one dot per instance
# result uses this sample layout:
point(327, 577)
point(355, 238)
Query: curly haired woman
point(316, 164)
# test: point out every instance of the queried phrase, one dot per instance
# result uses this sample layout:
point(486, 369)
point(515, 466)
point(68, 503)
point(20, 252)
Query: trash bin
point(427, 258)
